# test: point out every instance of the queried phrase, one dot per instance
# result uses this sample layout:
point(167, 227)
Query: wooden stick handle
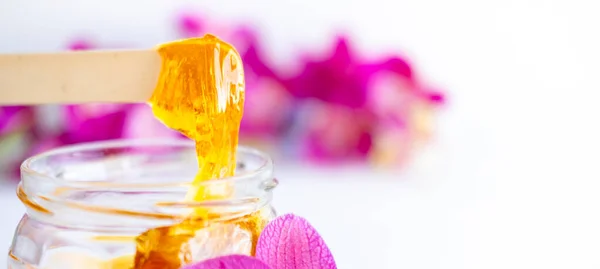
point(78, 77)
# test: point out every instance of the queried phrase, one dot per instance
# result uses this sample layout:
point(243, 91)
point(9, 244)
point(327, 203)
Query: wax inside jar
point(200, 93)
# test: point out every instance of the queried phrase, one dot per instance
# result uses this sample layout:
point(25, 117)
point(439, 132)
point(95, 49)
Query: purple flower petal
point(141, 123)
point(81, 44)
point(191, 25)
point(435, 97)
point(336, 133)
point(398, 66)
point(337, 79)
point(94, 122)
point(268, 103)
point(230, 262)
point(268, 106)
point(14, 118)
point(290, 242)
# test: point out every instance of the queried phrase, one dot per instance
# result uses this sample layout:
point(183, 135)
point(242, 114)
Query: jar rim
point(41, 191)
point(28, 169)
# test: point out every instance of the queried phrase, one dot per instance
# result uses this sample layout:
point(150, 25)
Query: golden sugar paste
point(200, 93)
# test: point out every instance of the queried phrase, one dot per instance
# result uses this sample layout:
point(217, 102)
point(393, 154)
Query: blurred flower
point(45, 144)
point(13, 148)
point(391, 97)
point(402, 108)
point(268, 103)
point(435, 97)
point(81, 44)
point(337, 126)
point(334, 133)
point(16, 124)
point(337, 79)
point(267, 109)
point(359, 102)
point(287, 242)
point(141, 123)
point(16, 118)
point(94, 122)
point(190, 25)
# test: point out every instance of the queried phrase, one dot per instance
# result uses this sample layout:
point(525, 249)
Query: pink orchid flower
point(141, 123)
point(192, 24)
point(336, 125)
point(288, 242)
point(15, 118)
point(81, 44)
point(268, 103)
point(350, 109)
point(337, 79)
point(335, 133)
point(93, 122)
point(16, 126)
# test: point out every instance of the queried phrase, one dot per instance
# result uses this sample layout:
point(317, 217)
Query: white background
point(512, 180)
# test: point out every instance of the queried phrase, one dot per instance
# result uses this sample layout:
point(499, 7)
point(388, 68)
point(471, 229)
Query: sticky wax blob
point(200, 93)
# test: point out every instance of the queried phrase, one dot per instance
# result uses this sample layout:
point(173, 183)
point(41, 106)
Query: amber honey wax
point(200, 93)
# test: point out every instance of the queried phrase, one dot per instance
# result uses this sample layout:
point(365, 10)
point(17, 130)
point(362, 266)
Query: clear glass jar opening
point(118, 189)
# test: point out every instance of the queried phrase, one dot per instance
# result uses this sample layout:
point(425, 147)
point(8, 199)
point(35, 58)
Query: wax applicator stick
point(119, 76)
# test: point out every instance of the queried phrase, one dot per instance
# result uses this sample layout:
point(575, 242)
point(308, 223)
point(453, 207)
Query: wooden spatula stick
point(78, 77)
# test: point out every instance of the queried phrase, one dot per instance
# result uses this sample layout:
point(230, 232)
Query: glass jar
point(87, 203)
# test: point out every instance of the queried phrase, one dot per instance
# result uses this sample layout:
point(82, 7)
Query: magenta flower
point(141, 123)
point(191, 24)
point(335, 133)
point(94, 122)
point(16, 118)
point(336, 125)
point(268, 103)
point(16, 125)
point(81, 44)
point(338, 79)
point(288, 242)
point(267, 109)
point(231, 262)
point(346, 107)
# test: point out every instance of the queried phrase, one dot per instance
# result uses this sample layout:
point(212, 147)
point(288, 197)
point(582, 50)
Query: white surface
point(514, 182)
